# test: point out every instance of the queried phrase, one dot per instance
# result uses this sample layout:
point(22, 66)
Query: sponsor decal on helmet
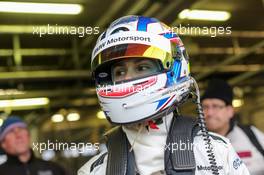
point(132, 37)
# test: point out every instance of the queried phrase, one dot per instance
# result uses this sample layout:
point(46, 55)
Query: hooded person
point(247, 141)
point(142, 75)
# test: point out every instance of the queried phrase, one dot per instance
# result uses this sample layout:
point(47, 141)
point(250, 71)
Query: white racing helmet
point(145, 97)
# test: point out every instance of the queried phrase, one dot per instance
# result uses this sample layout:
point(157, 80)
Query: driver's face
point(133, 68)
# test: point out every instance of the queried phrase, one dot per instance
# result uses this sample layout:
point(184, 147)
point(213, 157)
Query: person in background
point(248, 141)
point(15, 141)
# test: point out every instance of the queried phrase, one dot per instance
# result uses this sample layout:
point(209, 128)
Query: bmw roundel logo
point(103, 74)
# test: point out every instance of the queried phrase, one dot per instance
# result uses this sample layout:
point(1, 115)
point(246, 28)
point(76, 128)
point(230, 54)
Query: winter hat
point(219, 89)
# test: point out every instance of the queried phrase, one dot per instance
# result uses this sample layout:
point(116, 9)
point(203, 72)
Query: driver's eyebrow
point(143, 61)
point(136, 61)
point(121, 63)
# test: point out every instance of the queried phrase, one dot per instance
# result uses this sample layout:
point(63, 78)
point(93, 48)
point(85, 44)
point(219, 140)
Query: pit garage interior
point(56, 67)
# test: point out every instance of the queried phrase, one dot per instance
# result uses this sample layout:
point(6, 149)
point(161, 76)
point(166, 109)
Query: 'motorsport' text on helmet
point(145, 97)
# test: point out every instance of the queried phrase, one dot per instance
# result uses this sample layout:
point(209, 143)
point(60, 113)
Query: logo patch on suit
point(208, 168)
point(237, 162)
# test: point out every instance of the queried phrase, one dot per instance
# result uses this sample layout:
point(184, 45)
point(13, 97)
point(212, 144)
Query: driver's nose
point(131, 73)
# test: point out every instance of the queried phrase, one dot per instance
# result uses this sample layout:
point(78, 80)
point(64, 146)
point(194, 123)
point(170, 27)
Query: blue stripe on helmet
point(161, 102)
point(170, 35)
point(143, 23)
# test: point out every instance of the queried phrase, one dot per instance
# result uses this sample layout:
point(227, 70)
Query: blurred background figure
point(15, 141)
point(45, 75)
point(219, 113)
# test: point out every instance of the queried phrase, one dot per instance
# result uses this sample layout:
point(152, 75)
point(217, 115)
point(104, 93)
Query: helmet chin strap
point(138, 133)
point(174, 90)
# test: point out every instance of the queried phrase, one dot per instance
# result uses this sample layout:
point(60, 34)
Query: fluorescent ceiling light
point(236, 103)
point(4, 92)
point(101, 115)
point(43, 8)
point(56, 118)
point(1, 121)
point(73, 117)
point(204, 15)
point(24, 102)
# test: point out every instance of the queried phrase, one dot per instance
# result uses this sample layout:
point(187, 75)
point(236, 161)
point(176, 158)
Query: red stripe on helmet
point(167, 103)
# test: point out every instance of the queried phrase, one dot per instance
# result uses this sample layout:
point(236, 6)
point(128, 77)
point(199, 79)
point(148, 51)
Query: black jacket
point(34, 166)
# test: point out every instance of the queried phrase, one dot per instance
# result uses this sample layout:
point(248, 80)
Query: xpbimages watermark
point(143, 88)
point(61, 146)
point(212, 31)
point(80, 31)
point(179, 146)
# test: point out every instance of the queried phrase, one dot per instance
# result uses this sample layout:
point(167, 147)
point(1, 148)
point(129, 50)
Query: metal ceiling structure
point(58, 66)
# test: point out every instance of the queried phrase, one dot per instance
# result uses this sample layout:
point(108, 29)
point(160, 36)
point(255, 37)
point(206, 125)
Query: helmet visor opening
point(129, 69)
point(123, 70)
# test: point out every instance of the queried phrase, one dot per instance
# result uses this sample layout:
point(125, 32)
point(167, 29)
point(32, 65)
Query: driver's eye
point(120, 72)
point(143, 68)
point(146, 68)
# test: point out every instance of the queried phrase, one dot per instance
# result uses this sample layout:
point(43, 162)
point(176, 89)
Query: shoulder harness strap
point(181, 161)
point(117, 144)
